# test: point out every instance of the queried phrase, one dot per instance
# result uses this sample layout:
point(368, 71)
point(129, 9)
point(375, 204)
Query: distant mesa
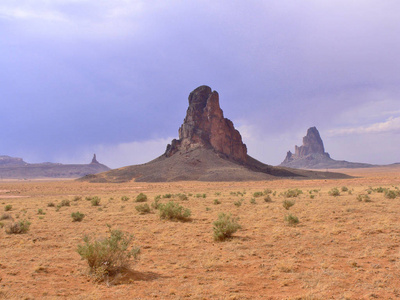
point(312, 155)
point(16, 168)
point(209, 148)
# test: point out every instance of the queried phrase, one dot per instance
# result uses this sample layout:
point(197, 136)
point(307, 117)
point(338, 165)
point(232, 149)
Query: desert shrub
point(257, 194)
point(225, 226)
point(156, 204)
point(238, 203)
point(65, 203)
point(107, 257)
point(288, 204)
point(390, 194)
point(380, 190)
point(174, 211)
point(18, 227)
point(364, 198)
point(95, 201)
point(141, 198)
point(8, 207)
point(1, 224)
point(217, 194)
point(77, 216)
point(312, 196)
point(41, 212)
point(334, 192)
point(291, 220)
point(182, 197)
point(350, 192)
point(369, 191)
point(89, 198)
point(267, 191)
point(216, 202)
point(5, 217)
point(292, 193)
point(252, 201)
point(168, 196)
point(51, 204)
point(77, 198)
point(344, 188)
point(158, 197)
point(143, 208)
point(124, 198)
point(204, 195)
point(267, 198)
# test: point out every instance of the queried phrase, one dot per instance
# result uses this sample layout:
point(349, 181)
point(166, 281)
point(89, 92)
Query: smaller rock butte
point(205, 126)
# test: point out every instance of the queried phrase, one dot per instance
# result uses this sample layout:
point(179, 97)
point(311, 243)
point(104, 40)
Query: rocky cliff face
point(205, 126)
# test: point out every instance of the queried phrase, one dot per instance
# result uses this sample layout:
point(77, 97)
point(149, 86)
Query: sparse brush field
point(342, 247)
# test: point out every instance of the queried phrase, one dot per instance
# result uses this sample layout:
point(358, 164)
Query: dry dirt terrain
point(342, 248)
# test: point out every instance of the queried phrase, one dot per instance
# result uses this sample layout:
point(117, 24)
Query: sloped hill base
point(203, 165)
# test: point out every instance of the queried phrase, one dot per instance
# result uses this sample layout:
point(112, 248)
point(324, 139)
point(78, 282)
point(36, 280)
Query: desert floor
point(342, 248)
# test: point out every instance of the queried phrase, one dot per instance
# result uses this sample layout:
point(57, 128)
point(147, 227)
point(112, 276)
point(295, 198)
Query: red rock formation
point(205, 126)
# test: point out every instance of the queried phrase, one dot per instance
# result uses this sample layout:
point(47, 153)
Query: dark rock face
point(205, 126)
point(94, 160)
point(312, 155)
point(11, 161)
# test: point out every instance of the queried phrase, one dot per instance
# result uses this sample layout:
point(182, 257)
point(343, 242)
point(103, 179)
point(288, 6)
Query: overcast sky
point(112, 77)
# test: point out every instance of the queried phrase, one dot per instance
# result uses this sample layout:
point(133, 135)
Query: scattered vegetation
point(65, 203)
point(253, 201)
point(156, 204)
point(5, 217)
point(267, 198)
point(364, 198)
point(77, 198)
point(41, 212)
point(109, 256)
point(51, 204)
point(291, 220)
point(334, 192)
point(141, 198)
point(238, 203)
point(258, 194)
point(344, 188)
point(143, 208)
point(292, 193)
point(95, 201)
point(8, 207)
point(174, 211)
point(18, 227)
point(77, 216)
point(390, 194)
point(124, 198)
point(225, 226)
point(288, 204)
point(216, 202)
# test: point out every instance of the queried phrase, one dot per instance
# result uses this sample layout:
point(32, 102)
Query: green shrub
point(51, 204)
point(95, 201)
point(334, 192)
point(292, 193)
point(143, 208)
point(182, 197)
point(216, 202)
point(109, 256)
point(364, 198)
point(141, 198)
point(168, 196)
point(257, 194)
point(77, 216)
point(77, 198)
point(344, 189)
point(124, 198)
point(390, 194)
point(1, 224)
point(158, 197)
point(18, 227)
point(312, 196)
point(238, 203)
point(174, 211)
point(252, 201)
point(8, 207)
point(267, 191)
point(5, 217)
point(267, 198)
point(380, 190)
point(156, 204)
point(291, 220)
point(65, 203)
point(41, 212)
point(288, 204)
point(225, 226)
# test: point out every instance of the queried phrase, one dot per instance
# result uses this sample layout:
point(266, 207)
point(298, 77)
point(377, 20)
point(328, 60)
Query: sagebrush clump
point(141, 198)
point(225, 226)
point(292, 220)
point(107, 257)
point(18, 227)
point(288, 204)
point(174, 211)
point(334, 192)
point(143, 208)
point(77, 216)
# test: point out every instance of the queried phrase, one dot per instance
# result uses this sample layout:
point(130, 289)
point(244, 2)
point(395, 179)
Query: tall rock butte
point(209, 148)
point(312, 155)
point(205, 126)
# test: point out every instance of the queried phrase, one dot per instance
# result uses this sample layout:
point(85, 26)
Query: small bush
point(143, 208)
point(95, 201)
point(267, 198)
point(124, 198)
point(174, 211)
point(334, 192)
point(253, 201)
point(156, 204)
point(77, 216)
point(380, 190)
point(390, 194)
point(51, 204)
point(141, 198)
point(312, 196)
point(238, 203)
point(41, 212)
point(8, 207)
point(216, 202)
point(65, 203)
point(344, 189)
point(5, 217)
point(18, 227)
point(292, 193)
point(158, 197)
point(267, 191)
point(291, 220)
point(182, 197)
point(288, 204)
point(225, 226)
point(77, 198)
point(109, 256)
point(364, 198)
point(257, 194)
point(168, 196)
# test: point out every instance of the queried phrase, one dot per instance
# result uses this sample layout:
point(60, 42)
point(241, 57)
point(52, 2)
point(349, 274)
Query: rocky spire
point(205, 126)
point(94, 160)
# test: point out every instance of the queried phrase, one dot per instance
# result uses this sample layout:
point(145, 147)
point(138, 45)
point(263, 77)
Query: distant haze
point(113, 77)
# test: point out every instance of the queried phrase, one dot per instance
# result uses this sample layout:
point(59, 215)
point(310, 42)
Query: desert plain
point(342, 248)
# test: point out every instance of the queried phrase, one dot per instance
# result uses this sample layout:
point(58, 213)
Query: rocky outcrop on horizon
point(16, 168)
point(209, 148)
point(312, 155)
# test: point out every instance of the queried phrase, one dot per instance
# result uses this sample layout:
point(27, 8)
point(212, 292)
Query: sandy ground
point(341, 249)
